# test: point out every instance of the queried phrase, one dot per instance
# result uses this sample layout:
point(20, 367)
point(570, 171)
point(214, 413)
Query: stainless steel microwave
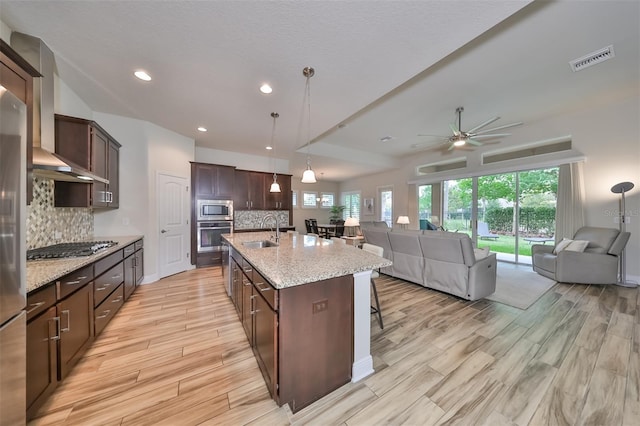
point(214, 210)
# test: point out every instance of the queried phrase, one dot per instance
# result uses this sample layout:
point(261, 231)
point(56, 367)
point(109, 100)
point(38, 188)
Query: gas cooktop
point(62, 250)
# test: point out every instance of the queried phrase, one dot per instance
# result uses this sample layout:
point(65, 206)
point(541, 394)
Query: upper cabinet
point(85, 143)
point(212, 182)
point(278, 200)
point(16, 75)
point(250, 190)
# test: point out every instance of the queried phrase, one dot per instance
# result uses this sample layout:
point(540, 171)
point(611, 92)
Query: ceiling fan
point(472, 136)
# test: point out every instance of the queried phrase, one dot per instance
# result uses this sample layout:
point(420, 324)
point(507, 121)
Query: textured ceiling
point(383, 68)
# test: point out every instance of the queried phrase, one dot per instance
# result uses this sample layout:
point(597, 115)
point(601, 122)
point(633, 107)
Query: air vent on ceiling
point(592, 59)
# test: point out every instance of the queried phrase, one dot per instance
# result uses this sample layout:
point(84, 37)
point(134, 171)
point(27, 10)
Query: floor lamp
point(621, 188)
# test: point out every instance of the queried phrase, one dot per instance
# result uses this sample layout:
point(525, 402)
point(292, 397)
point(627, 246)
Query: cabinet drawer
point(247, 268)
point(105, 283)
point(40, 300)
point(265, 289)
point(72, 282)
point(107, 309)
point(106, 263)
point(139, 244)
point(129, 250)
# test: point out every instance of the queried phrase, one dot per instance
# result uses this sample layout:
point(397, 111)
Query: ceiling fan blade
point(486, 123)
point(454, 129)
point(495, 135)
point(474, 143)
point(506, 126)
point(451, 147)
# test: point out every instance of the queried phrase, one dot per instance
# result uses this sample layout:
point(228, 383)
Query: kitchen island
point(305, 306)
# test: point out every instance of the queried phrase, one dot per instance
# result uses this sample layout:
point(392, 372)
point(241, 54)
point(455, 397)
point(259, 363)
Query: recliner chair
point(597, 264)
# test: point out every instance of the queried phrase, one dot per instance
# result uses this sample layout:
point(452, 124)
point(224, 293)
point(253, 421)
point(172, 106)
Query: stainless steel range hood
point(45, 162)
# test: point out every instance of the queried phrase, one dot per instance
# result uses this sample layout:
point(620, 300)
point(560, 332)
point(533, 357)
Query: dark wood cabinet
point(76, 328)
point(42, 358)
point(16, 75)
point(133, 267)
point(250, 190)
point(212, 182)
point(278, 200)
point(247, 307)
point(85, 143)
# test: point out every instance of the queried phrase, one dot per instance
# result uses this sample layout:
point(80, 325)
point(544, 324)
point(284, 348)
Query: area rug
point(518, 285)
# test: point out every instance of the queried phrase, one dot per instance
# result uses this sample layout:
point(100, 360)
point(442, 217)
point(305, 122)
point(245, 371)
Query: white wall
point(241, 161)
point(608, 136)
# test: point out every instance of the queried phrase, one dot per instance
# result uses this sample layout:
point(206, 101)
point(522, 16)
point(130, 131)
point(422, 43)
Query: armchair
point(597, 264)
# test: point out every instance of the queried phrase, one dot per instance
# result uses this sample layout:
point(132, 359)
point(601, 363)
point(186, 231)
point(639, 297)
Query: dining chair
point(314, 226)
point(378, 251)
point(307, 223)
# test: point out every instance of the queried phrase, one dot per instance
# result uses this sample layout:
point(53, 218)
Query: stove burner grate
point(62, 250)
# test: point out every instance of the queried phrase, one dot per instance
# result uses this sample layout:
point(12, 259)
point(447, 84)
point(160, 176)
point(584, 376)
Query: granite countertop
point(42, 272)
point(302, 259)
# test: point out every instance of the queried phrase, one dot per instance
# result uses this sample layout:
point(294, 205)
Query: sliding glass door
point(510, 211)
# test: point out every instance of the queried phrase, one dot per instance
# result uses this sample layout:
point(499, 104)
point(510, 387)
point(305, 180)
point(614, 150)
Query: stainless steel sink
point(259, 244)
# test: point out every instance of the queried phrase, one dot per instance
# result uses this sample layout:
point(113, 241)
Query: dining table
point(324, 229)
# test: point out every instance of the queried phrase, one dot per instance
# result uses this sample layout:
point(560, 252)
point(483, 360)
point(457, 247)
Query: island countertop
point(42, 272)
point(301, 259)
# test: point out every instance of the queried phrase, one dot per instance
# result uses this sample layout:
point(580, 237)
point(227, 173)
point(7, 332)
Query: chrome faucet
point(275, 218)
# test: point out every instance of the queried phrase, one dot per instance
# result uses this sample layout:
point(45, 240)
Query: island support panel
point(315, 339)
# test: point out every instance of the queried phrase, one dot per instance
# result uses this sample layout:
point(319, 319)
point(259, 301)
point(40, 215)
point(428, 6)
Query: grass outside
point(502, 244)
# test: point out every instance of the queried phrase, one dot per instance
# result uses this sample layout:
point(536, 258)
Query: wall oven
point(214, 210)
point(209, 234)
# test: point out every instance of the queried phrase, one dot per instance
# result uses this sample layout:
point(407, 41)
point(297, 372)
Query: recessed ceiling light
point(386, 138)
point(202, 129)
point(269, 148)
point(266, 89)
point(142, 75)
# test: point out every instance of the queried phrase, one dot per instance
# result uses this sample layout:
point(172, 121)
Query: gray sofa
point(440, 260)
point(597, 264)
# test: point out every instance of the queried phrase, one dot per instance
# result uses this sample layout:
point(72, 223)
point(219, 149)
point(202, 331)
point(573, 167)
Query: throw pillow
point(562, 245)
point(577, 245)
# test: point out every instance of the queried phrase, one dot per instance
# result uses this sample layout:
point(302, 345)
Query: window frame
point(315, 200)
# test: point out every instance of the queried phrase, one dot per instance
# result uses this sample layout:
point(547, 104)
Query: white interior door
point(173, 225)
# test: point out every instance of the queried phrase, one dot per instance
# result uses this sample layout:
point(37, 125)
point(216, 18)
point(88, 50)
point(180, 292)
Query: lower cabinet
point(64, 317)
point(42, 358)
point(265, 340)
point(108, 308)
point(76, 328)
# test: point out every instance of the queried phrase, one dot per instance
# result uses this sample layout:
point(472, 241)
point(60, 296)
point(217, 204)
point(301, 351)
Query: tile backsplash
point(48, 225)
point(252, 219)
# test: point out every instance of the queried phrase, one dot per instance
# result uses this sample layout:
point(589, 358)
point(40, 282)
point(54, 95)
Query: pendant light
point(275, 186)
point(309, 175)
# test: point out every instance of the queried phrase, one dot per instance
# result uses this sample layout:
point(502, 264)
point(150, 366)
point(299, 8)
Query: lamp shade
point(275, 187)
point(351, 221)
point(308, 176)
point(403, 220)
point(435, 220)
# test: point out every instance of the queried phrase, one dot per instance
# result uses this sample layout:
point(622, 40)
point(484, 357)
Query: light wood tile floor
point(176, 354)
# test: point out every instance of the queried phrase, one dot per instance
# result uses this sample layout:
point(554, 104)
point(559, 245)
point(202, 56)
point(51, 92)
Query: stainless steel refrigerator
point(13, 319)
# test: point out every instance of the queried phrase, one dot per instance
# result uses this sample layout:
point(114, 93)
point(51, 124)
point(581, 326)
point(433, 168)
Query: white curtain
point(570, 204)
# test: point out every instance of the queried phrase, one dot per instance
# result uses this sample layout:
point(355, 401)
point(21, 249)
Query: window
point(309, 200)
point(294, 199)
point(386, 205)
point(327, 199)
point(351, 201)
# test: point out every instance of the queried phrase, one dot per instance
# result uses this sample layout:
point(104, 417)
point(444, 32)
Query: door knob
point(163, 230)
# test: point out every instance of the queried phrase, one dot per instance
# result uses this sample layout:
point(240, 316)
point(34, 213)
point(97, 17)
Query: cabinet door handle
point(84, 277)
point(72, 282)
point(58, 331)
point(117, 300)
point(68, 327)
point(116, 276)
point(35, 306)
point(255, 311)
point(267, 288)
point(104, 314)
point(247, 204)
point(101, 288)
